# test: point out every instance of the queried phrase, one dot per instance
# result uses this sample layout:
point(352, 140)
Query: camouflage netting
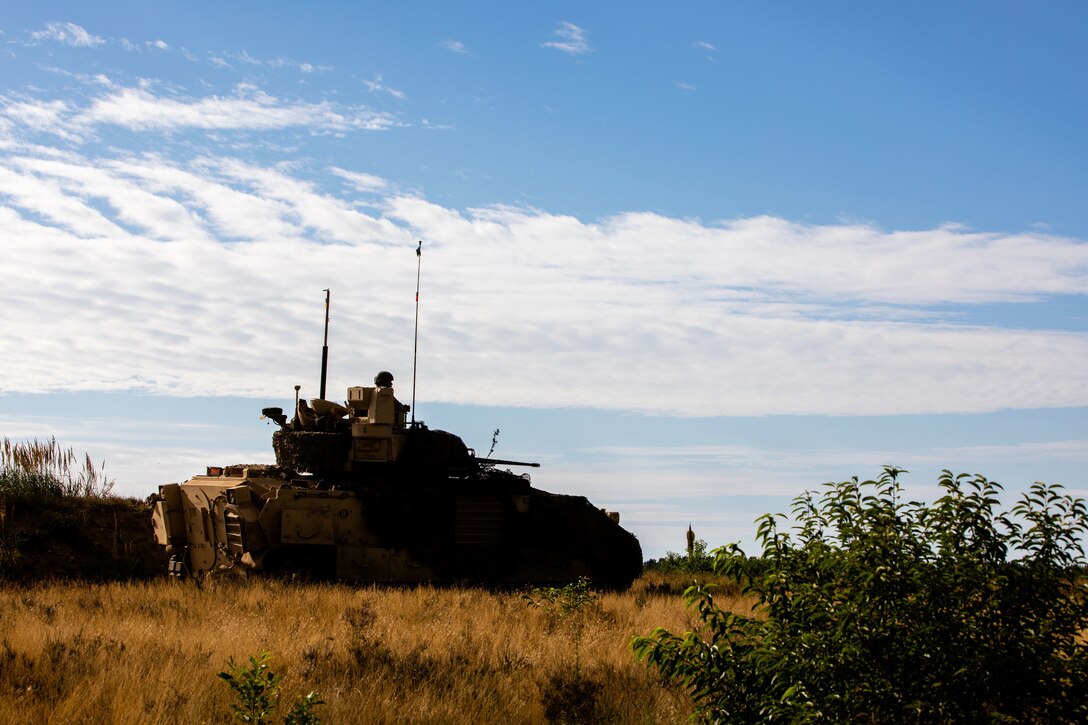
point(311, 451)
point(436, 450)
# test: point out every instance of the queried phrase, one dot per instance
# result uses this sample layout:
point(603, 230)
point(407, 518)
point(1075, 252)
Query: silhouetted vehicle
point(359, 494)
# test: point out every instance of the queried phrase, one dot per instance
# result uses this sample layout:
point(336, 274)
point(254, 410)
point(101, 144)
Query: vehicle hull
point(490, 529)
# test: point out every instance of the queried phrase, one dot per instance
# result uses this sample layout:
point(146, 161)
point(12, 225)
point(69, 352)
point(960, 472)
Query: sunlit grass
point(149, 652)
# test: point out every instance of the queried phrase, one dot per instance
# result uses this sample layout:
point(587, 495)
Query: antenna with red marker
point(415, 344)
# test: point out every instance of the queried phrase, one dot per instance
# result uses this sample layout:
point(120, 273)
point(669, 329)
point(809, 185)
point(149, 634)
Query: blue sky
point(693, 260)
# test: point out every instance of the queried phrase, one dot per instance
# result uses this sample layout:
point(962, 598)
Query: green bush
point(560, 602)
point(877, 609)
point(258, 692)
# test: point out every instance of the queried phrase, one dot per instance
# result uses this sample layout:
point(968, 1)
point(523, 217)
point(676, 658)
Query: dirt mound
point(99, 540)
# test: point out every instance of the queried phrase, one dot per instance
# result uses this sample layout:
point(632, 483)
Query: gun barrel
point(501, 462)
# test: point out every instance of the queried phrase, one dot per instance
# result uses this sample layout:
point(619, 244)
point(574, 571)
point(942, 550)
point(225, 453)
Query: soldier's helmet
point(384, 379)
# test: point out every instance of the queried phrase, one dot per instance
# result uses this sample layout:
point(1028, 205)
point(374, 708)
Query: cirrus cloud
point(572, 39)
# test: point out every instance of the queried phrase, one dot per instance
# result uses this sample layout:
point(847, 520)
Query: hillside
point(78, 538)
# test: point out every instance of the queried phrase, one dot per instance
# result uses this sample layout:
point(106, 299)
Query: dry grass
point(43, 469)
point(150, 652)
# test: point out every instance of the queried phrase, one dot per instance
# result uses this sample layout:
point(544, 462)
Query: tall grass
point(150, 652)
point(39, 470)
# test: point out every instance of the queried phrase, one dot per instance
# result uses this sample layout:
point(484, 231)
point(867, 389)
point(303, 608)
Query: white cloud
point(708, 49)
point(454, 46)
point(313, 212)
point(154, 45)
point(572, 39)
point(377, 86)
point(134, 207)
point(50, 198)
point(248, 109)
point(362, 182)
point(301, 66)
point(433, 126)
point(68, 34)
point(38, 116)
point(180, 277)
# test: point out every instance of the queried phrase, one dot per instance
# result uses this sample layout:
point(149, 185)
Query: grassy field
point(90, 632)
point(149, 652)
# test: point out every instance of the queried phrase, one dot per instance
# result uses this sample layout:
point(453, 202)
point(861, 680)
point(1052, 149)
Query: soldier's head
point(384, 379)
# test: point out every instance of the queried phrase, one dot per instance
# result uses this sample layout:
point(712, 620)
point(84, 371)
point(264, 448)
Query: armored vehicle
point(359, 494)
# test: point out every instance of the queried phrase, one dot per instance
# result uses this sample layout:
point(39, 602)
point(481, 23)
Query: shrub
point(569, 695)
point(568, 599)
point(258, 691)
point(878, 609)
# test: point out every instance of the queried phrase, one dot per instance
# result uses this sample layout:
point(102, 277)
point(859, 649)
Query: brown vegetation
point(43, 469)
point(149, 652)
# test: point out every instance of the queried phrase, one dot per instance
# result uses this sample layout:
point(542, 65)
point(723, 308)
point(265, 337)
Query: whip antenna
point(325, 347)
point(415, 344)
